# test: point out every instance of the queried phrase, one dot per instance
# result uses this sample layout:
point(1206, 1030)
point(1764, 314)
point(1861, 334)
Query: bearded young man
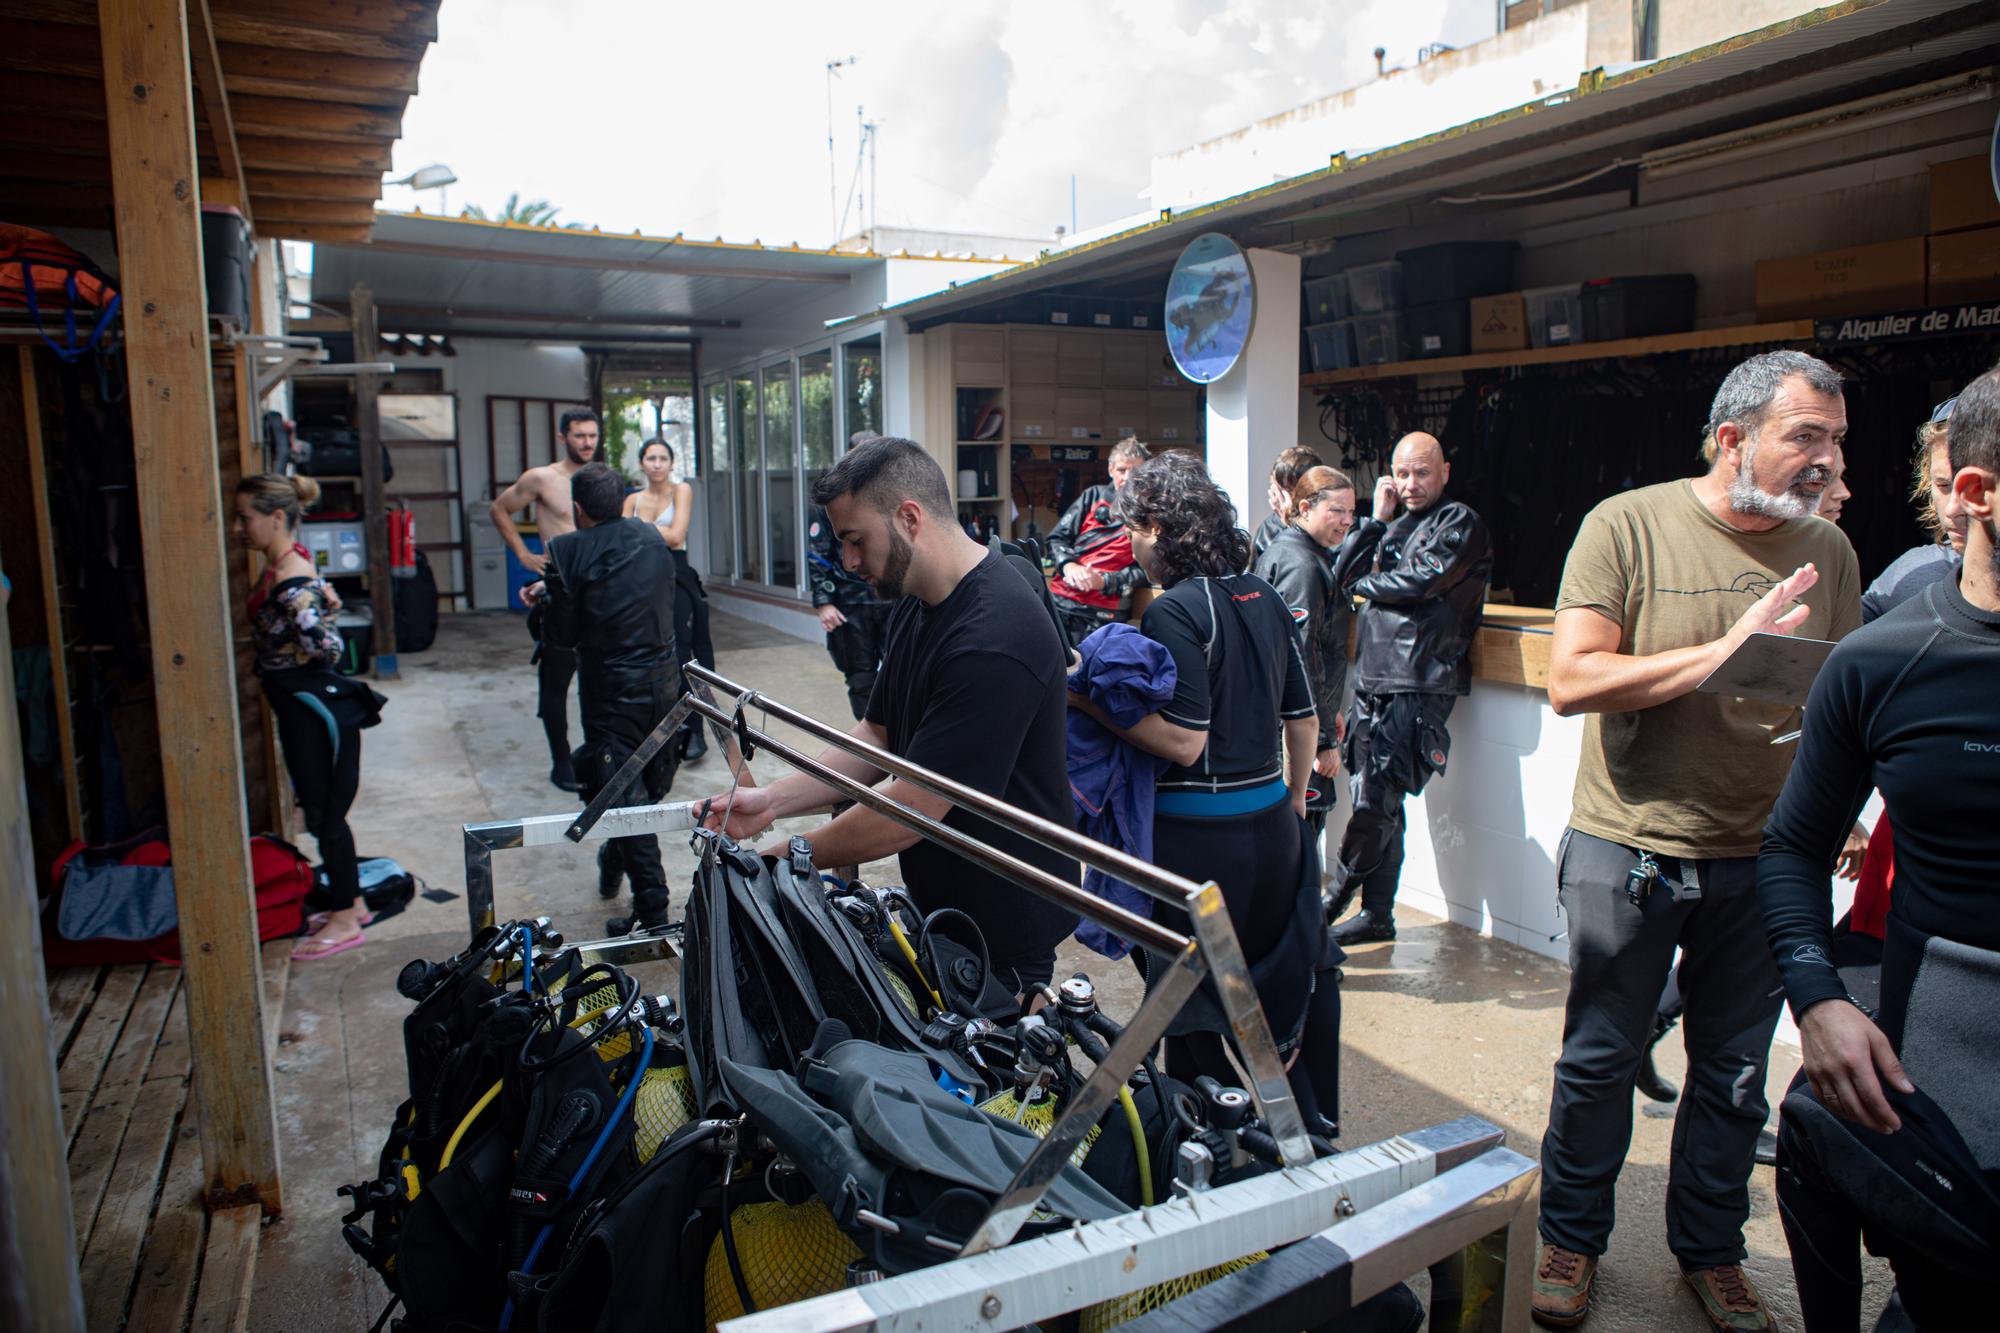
point(1672, 794)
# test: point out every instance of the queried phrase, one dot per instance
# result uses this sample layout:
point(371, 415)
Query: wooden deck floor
point(151, 1256)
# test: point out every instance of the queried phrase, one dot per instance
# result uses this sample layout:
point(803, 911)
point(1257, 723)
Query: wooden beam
point(49, 48)
point(295, 118)
point(317, 76)
point(208, 82)
point(314, 155)
point(150, 103)
point(410, 20)
point(45, 536)
point(61, 95)
point(38, 1282)
point(54, 134)
point(336, 211)
point(254, 28)
point(368, 424)
point(324, 233)
point(311, 185)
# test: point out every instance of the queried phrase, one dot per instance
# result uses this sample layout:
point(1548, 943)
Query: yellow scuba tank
point(788, 1252)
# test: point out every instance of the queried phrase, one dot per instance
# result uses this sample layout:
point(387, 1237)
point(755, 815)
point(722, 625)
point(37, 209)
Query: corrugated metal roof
point(460, 275)
point(1820, 57)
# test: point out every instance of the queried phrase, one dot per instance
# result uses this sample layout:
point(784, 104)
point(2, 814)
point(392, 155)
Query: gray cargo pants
point(1619, 956)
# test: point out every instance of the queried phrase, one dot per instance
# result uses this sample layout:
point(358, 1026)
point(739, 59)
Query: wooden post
point(150, 113)
point(368, 424)
point(38, 1280)
point(38, 475)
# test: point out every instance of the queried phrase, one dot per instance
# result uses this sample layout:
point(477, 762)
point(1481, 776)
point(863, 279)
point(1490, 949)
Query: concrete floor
point(1439, 1024)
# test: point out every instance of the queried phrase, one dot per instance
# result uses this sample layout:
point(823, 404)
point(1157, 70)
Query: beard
point(1795, 501)
point(579, 459)
point(896, 568)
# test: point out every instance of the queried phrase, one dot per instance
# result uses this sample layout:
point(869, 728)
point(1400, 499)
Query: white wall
point(496, 366)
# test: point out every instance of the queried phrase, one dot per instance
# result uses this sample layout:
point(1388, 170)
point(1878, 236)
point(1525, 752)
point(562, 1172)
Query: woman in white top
point(667, 503)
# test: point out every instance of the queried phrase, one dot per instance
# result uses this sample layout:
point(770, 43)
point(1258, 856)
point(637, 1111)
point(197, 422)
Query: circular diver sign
point(1211, 305)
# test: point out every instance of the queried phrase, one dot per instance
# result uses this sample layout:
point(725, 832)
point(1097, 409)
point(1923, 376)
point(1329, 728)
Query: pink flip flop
point(317, 921)
point(312, 949)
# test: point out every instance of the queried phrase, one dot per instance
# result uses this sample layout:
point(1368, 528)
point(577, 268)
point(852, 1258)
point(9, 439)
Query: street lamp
point(433, 177)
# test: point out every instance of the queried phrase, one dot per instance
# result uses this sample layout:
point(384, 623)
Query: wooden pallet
point(150, 1255)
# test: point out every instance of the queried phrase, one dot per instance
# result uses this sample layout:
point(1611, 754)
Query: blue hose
point(528, 978)
point(590, 1159)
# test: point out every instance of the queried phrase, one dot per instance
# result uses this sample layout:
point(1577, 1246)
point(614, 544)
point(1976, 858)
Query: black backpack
point(417, 608)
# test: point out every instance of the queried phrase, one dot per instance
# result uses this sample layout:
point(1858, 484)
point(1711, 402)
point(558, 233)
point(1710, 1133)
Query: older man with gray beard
point(1672, 793)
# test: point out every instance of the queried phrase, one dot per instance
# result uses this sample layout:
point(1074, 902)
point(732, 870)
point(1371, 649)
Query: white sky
point(712, 119)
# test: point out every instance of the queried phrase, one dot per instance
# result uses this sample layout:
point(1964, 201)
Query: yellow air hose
point(1139, 1150)
point(903, 943)
point(451, 1144)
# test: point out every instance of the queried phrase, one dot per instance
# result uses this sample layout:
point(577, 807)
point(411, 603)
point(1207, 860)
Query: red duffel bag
point(280, 872)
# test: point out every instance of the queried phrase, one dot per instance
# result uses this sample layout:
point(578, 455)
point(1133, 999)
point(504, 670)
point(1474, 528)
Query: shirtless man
point(547, 488)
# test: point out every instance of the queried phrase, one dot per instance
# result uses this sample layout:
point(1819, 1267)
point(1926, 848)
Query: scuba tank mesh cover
point(788, 1252)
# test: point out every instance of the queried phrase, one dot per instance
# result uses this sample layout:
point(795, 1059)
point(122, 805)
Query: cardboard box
point(1499, 323)
point(1859, 280)
point(1965, 266)
point(1962, 195)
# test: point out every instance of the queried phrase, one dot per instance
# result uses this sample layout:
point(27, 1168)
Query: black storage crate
point(1442, 328)
point(1615, 308)
point(1330, 346)
point(1324, 300)
point(1457, 271)
point(225, 253)
point(1373, 288)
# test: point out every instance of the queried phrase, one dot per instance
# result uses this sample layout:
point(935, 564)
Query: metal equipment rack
point(1177, 1238)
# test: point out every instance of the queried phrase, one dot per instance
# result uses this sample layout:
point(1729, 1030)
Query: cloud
point(713, 120)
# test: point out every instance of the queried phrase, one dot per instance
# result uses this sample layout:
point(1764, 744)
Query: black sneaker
point(563, 777)
point(693, 743)
point(610, 872)
point(1766, 1153)
point(1649, 1080)
point(632, 925)
point(1364, 928)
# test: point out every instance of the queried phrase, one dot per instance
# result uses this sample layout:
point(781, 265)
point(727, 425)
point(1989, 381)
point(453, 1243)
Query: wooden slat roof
point(298, 105)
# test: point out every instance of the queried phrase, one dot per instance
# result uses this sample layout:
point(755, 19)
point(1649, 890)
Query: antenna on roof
point(833, 67)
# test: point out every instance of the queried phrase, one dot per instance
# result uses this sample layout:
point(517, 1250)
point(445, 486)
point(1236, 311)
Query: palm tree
point(533, 213)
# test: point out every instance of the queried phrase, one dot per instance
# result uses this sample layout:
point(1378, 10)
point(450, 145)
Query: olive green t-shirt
point(1696, 776)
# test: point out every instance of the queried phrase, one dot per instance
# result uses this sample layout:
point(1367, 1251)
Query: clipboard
point(1770, 668)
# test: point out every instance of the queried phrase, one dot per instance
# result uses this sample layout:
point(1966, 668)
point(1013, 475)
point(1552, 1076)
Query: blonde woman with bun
point(320, 713)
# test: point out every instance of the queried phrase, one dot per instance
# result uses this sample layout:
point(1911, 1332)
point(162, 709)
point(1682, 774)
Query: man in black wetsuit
point(1893, 1128)
point(1423, 577)
point(849, 610)
point(608, 595)
point(973, 685)
point(1093, 554)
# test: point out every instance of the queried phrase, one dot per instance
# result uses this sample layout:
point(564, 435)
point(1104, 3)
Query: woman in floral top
point(319, 712)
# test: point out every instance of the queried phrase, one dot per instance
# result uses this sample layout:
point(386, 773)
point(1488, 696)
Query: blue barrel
point(519, 575)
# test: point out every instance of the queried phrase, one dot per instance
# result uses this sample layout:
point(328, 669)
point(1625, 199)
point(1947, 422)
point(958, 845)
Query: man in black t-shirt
point(972, 686)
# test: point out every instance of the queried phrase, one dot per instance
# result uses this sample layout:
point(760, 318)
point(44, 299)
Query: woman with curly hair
point(1238, 737)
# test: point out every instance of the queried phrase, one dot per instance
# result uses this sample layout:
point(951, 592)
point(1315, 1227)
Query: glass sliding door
point(863, 367)
point(781, 476)
point(721, 519)
point(749, 455)
point(816, 426)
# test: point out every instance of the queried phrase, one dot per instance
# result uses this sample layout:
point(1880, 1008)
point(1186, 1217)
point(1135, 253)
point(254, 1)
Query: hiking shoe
point(1650, 1081)
point(1766, 1153)
point(562, 777)
point(1366, 928)
point(1727, 1298)
point(693, 744)
point(1562, 1287)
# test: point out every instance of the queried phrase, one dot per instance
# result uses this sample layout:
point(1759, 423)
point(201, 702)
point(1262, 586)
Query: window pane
point(815, 422)
point(781, 470)
point(721, 519)
point(864, 386)
point(749, 479)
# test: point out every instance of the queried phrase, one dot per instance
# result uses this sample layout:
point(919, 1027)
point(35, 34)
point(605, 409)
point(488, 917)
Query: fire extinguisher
point(402, 544)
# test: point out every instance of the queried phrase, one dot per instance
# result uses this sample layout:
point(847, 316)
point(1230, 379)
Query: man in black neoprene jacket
point(1096, 574)
point(609, 592)
point(1893, 1128)
point(1422, 575)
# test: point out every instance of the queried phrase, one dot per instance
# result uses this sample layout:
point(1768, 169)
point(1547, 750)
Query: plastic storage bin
point(1373, 288)
point(1442, 328)
point(1456, 270)
point(1324, 300)
point(1555, 315)
point(1637, 307)
point(1379, 338)
point(1330, 346)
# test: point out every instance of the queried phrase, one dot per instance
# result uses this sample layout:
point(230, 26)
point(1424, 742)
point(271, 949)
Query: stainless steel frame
point(1367, 1219)
point(1212, 948)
